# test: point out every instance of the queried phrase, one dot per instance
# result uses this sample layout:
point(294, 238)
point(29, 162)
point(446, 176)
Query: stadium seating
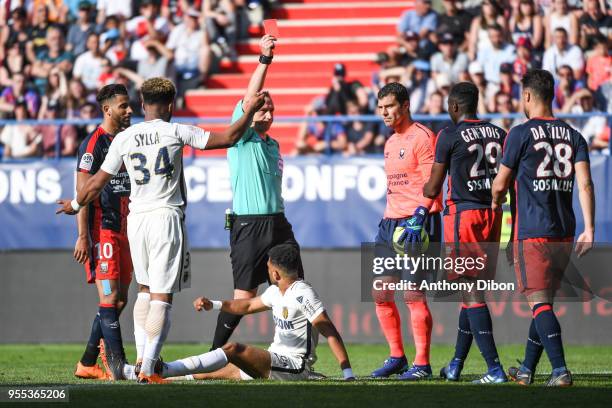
point(315, 34)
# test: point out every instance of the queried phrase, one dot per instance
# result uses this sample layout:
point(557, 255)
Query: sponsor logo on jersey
point(283, 324)
point(300, 299)
point(86, 161)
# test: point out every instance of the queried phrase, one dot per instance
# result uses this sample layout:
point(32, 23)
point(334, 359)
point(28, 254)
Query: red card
point(271, 27)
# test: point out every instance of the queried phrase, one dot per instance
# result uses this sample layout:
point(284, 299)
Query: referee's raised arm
point(258, 78)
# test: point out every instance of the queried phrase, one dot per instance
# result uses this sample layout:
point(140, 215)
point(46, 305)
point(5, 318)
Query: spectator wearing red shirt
point(524, 58)
point(599, 64)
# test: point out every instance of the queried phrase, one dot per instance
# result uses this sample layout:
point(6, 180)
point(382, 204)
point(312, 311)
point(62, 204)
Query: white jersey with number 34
point(152, 152)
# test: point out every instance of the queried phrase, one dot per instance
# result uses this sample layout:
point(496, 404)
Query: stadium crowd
point(489, 42)
point(55, 55)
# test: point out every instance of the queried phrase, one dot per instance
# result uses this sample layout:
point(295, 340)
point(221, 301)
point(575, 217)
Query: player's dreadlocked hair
point(541, 83)
point(394, 88)
point(286, 257)
point(110, 91)
point(465, 95)
point(158, 91)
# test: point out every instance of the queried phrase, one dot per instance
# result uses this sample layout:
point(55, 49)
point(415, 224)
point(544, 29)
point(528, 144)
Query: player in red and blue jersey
point(545, 156)
point(470, 153)
point(408, 161)
point(102, 244)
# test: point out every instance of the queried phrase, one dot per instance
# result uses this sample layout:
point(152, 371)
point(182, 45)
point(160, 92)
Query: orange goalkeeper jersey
point(408, 160)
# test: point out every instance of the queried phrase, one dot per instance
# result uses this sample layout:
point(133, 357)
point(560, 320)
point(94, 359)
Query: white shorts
point(284, 367)
point(160, 250)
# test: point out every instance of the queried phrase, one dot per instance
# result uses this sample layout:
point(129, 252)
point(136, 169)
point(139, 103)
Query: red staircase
point(314, 35)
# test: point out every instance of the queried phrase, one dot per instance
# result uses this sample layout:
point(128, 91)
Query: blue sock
point(533, 349)
point(550, 334)
point(464, 336)
point(482, 330)
point(90, 356)
point(111, 330)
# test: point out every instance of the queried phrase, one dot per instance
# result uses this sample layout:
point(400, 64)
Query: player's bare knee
point(110, 299)
point(233, 349)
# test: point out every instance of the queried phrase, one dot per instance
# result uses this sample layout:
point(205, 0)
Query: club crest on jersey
point(104, 267)
point(86, 161)
point(285, 313)
point(402, 153)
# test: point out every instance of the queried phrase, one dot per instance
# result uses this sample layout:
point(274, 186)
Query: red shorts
point(473, 234)
point(539, 263)
point(109, 257)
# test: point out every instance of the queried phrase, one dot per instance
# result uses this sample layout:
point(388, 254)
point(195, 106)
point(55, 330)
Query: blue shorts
point(384, 246)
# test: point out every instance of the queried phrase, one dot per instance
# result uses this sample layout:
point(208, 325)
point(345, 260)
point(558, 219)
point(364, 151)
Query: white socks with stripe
point(157, 328)
point(204, 363)
point(141, 310)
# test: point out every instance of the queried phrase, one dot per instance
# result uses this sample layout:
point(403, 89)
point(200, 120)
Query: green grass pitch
point(54, 364)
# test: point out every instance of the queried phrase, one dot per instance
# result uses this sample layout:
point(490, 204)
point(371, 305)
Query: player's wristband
point(216, 304)
point(265, 59)
point(75, 205)
point(348, 373)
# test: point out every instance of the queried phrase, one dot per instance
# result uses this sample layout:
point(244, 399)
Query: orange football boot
point(151, 379)
point(95, 372)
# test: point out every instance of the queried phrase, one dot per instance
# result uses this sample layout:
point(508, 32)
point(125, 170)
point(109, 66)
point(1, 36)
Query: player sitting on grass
point(471, 228)
point(296, 308)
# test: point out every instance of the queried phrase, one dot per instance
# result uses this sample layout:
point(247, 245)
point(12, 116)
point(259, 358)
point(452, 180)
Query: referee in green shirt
point(256, 172)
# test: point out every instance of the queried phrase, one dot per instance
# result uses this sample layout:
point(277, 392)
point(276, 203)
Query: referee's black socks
point(226, 324)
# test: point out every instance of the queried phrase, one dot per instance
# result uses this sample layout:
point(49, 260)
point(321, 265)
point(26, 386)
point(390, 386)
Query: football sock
point(482, 330)
point(533, 349)
point(157, 328)
point(90, 356)
point(550, 333)
point(389, 319)
point(111, 330)
point(141, 310)
point(204, 363)
point(226, 324)
point(420, 318)
point(129, 372)
point(464, 336)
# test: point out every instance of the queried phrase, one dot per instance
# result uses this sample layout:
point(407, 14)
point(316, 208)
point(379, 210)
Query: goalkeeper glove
point(413, 227)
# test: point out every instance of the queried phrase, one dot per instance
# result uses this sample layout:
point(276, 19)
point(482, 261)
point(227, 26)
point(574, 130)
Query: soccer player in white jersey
point(152, 153)
point(298, 315)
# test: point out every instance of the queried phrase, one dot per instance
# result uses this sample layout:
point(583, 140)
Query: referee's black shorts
point(251, 237)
